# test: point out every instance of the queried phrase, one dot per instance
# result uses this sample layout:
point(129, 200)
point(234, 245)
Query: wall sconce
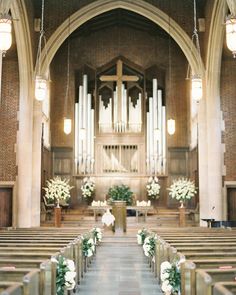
point(171, 126)
point(67, 125)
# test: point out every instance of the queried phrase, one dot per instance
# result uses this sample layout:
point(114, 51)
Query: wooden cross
point(119, 78)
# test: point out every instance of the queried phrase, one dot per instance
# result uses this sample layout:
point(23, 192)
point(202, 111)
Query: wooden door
point(5, 207)
point(231, 196)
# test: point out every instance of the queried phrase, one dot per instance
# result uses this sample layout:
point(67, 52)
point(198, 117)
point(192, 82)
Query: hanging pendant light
point(231, 34)
point(41, 83)
point(67, 126)
point(196, 80)
point(40, 88)
point(196, 91)
point(171, 126)
point(5, 32)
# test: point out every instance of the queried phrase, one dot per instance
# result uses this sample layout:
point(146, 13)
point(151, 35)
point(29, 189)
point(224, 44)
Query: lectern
point(119, 211)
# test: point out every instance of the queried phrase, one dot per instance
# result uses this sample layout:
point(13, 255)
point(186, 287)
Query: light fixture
point(67, 121)
point(41, 83)
point(67, 125)
point(171, 126)
point(196, 79)
point(5, 32)
point(196, 91)
point(170, 122)
point(231, 34)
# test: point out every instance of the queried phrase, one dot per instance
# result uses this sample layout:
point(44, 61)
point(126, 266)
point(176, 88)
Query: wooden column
point(57, 216)
point(119, 211)
point(182, 220)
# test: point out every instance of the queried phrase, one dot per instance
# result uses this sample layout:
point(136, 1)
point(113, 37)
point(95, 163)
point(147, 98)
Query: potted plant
point(120, 193)
point(182, 189)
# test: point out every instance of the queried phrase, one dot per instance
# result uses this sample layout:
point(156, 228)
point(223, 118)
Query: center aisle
point(119, 268)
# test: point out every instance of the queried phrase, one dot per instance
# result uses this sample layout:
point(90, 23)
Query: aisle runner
point(119, 268)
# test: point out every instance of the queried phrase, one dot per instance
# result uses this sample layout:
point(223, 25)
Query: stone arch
point(140, 7)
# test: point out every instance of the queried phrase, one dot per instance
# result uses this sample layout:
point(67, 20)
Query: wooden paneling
point(231, 197)
point(5, 207)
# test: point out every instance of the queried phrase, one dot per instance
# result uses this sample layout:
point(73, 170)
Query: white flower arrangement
point(149, 245)
point(58, 189)
point(65, 276)
point(87, 187)
point(182, 189)
point(170, 277)
point(88, 246)
point(141, 236)
point(97, 234)
point(153, 188)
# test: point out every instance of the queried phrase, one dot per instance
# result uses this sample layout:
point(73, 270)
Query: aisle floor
point(119, 268)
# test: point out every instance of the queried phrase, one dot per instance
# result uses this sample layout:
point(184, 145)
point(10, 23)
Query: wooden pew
point(189, 268)
point(11, 288)
point(30, 279)
point(225, 288)
point(205, 279)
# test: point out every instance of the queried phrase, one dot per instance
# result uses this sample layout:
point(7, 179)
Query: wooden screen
point(120, 159)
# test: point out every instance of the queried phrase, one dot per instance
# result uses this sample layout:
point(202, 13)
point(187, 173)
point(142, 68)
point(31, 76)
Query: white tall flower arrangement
point(153, 187)
point(182, 189)
point(58, 189)
point(87, 187)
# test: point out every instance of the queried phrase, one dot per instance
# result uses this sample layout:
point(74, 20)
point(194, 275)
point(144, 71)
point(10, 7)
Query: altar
point(138, 210)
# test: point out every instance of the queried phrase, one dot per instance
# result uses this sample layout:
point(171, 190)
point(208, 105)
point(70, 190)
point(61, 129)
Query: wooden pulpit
point(119, 211)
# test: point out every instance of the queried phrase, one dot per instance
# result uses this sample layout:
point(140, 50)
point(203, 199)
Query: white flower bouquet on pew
point(153, 188)
point(88, 246)
point(182, 189)
point(97, 235)
point(87, 187)
point(65, 276)
point(170, 277)
point(149, 245)
point(141, 236)
point(58, 189)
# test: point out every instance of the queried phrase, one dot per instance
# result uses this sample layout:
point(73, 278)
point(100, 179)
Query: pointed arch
point(140, 7)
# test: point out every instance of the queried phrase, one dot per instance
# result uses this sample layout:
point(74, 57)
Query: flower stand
point(57, 216)
point(182, 216)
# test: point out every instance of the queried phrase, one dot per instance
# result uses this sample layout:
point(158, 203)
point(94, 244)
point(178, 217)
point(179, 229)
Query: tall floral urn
point(182, 189)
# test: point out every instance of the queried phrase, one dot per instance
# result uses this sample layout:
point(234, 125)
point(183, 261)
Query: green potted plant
point(120, 193)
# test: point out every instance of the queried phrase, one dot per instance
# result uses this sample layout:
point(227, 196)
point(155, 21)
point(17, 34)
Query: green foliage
point(120, 193)
point(60, 279)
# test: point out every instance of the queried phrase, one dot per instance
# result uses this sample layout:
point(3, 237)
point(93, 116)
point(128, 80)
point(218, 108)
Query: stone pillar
point(119, 211)
point(36, 164)
point(24, 162)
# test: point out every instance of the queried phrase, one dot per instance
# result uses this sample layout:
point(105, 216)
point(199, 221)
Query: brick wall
point(139, 47)
point(228, 104)
point(8, 118)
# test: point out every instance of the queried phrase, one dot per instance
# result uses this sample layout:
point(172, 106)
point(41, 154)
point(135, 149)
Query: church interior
point(102, 96)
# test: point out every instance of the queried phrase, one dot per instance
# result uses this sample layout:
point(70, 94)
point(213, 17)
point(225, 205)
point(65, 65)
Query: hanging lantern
point(171, 126)
point(5, 32)
point(67, 126)
point(231, 34)
point(196, 88)
point(40, 88)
